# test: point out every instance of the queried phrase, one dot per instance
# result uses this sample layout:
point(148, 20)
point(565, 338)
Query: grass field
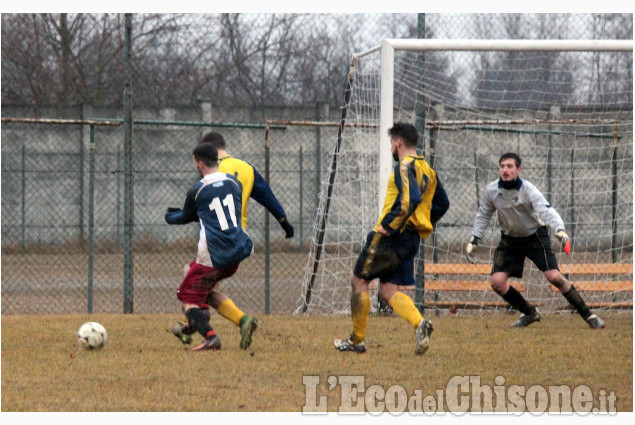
point(144, 368)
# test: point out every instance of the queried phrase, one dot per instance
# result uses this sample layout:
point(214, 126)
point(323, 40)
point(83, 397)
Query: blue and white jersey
point(215, 201)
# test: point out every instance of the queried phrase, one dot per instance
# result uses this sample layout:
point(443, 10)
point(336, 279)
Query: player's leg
point(182, 330)
point(573, 297)
point(199, 321)
point(400, 303)
point(225, 306)
point(197, 284)
point(407, 245)
point(404, 307)
point(360, 310)
point(227, 309)
point(360, 303)
point(509, 259)
point(541, 254)
point(192, 293)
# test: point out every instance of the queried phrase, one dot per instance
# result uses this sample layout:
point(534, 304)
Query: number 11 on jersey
point(216, 206)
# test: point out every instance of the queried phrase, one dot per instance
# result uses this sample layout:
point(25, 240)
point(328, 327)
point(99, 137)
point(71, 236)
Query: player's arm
point(549, 215)
point(262, 193)
point(483, 217)
point(406, 201)
point(440, 203)
point(187, 214)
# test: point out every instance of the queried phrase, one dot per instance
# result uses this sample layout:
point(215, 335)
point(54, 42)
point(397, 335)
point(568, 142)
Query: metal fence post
point(301, 219)
point(23, 195)
point(267, 236)
point(91, 215)
point(128, 173)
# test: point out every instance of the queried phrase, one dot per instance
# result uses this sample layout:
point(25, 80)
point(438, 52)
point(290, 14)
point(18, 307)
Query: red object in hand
point(567, 247)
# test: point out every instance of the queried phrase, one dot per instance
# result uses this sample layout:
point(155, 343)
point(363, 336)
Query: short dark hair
point(207, 153)
point(406, 132)
point(215, 139)
point(511, 155)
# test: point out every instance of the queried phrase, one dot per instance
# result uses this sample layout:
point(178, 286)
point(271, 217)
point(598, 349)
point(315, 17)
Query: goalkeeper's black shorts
point(404, 245)
point(511, 252)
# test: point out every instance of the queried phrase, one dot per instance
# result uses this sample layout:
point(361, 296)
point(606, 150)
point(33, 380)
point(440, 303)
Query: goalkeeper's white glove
point(564, 240)
point(469, 249)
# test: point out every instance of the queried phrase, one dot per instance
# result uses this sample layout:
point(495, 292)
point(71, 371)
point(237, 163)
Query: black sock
point(197, 319)
point(516, 300)
point(575, 299)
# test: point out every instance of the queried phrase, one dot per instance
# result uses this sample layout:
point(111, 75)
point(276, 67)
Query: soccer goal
point(566, 106)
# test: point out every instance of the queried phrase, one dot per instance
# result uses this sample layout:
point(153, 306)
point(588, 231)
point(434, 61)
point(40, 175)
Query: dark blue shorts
point(406, 245)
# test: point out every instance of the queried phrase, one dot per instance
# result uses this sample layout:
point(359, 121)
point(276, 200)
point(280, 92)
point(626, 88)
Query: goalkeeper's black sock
point(575, 299)
point(516, 300)
point(198, 320)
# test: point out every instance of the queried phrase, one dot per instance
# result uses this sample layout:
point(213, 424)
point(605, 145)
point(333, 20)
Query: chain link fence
point(63, 215)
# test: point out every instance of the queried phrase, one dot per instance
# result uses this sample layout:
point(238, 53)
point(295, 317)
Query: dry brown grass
point(144, 368)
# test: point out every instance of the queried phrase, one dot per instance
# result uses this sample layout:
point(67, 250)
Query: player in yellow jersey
point(253, 186)
point(415, 201)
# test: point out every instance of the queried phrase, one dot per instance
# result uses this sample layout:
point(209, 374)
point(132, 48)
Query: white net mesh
point(569, 115)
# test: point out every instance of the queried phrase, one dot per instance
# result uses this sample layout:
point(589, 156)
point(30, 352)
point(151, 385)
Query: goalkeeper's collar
point(513, 184)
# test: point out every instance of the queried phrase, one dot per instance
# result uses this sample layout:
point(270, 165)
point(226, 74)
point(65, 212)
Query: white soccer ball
point(92, 336)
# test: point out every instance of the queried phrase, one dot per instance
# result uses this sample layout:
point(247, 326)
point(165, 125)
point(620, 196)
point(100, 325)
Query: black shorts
point(511, 252)
point(405, 244)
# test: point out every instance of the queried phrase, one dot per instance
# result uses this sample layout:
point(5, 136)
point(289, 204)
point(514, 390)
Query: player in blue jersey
point(215, 202)
point(415, 201)
point(255, 187)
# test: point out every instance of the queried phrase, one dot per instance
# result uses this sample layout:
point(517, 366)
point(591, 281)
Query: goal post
point(564, 105)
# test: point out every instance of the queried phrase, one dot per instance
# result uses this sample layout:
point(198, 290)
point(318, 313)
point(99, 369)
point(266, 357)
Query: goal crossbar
point(501, 45)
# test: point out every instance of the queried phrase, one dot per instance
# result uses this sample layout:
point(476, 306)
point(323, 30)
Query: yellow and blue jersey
point(415, 198)
point(254, 186)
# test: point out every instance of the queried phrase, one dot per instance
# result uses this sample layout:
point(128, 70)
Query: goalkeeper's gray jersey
point(521, 210)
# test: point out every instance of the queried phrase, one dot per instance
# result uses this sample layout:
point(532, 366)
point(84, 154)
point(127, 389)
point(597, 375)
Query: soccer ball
point(92, 336)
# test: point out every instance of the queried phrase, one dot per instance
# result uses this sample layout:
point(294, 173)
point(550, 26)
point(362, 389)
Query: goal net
point(565, 106)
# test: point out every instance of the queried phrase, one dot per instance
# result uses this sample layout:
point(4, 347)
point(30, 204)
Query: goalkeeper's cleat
point(526, 319)
point(247, 327)
point(423, 336)
point(349, 345)
point(595, 322)
point(183, 332)
point(211, 343)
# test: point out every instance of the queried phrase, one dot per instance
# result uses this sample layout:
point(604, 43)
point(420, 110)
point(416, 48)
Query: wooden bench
point(609, 278)
point(441, 279)
point(445, 277)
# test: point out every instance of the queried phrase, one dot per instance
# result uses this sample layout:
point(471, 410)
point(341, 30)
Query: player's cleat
point(423, 336)
point(183, 332)
point(595, 322)
point(526, 319)
point(247, 327)
point(349, 345)
point(212, 343)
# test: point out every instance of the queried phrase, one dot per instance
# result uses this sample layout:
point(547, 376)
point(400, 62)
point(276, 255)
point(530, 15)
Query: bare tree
point(60, 58)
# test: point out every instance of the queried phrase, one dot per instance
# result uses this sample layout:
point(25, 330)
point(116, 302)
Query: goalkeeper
point(522, 212)
point(415, 200)
point(253, 186)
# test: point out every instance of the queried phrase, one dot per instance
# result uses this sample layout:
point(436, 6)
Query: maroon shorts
point(200, 280)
